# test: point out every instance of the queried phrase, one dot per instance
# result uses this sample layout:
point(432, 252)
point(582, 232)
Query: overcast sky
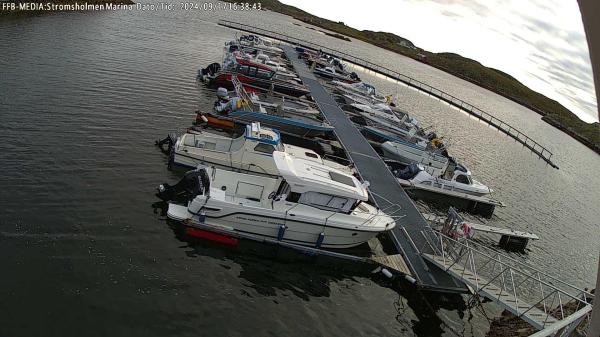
point(540, 42)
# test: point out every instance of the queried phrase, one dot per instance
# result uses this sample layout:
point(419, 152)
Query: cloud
point(549, 35)
point(539, 42)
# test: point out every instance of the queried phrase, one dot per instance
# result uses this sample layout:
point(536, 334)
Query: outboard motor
point(169, 141)
point(211, 70)
point(408, 172)
point(233, 48)
point(193, 183)
point(354, 76)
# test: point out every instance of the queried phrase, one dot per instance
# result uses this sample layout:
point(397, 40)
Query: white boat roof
point(308, 176)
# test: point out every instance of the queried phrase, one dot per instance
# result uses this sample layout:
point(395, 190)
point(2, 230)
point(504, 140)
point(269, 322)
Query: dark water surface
point(84, 252)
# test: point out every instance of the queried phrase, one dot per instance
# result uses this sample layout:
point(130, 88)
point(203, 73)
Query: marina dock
point(388, 194)
point(538, 149)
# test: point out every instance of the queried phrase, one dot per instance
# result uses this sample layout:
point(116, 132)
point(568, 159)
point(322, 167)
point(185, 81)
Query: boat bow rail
point(553, 306)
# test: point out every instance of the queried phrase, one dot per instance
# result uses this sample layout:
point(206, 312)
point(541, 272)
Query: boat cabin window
point(342, 178)
point(463, 179)
point(242, 69)
point(311, 155)
point(263, 73)
point(265, 136)
point(284, 188)
point(293, 197)
point(327, 202)
point(264, 148)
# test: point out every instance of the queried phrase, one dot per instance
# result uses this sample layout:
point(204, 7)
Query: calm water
point(83, 251)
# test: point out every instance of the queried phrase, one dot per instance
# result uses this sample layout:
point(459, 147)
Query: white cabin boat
point(455, 178)
point(360, 89)
point(379, 113)
point(309, 204)
point(416, 152)
point(252, 152)
point(256, 41)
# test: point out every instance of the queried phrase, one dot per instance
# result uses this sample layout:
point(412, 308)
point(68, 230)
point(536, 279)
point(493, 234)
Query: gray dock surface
point(386, 191)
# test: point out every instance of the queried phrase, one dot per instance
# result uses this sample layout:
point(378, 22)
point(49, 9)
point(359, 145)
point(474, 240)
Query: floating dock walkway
point(535, 147)
point(407, 235)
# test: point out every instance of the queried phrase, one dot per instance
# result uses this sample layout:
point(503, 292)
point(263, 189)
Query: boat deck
point(407, 236)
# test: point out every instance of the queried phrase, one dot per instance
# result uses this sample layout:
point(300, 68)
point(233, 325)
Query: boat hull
point(284, 125)
point(266, 225)
point(409, 153)
point(224, 80)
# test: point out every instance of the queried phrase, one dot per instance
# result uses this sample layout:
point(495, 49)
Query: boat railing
point(242, 94)
point(528, 292)
point(391, 209)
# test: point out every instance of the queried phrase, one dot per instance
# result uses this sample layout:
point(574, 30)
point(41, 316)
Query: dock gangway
point(550, 305)
point(541, 151)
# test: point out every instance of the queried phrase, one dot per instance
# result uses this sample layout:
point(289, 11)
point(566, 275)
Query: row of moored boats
point(265, 162)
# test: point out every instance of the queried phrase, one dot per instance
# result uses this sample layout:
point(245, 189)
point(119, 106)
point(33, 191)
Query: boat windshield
point(327, 201)
point(463, 179)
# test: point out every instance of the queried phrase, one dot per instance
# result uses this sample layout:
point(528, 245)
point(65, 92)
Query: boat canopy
point(307, 176)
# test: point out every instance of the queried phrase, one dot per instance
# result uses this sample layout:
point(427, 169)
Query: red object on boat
point(202, 234)
point(251, 89)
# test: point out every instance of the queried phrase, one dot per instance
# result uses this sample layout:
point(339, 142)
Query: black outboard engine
point(408, 172)
point(233, 48)
point(193, 183)
point(169, 141)
point(211, 70)
point(354, 76)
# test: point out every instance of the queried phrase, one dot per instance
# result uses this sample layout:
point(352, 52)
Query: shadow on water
point(308, 276)
point(302, 274)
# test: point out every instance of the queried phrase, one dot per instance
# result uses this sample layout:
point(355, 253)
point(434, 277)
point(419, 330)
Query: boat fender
point(320, 240)
point(410, 279)
point(281, 232)
point(467, 230)
point(387, 273)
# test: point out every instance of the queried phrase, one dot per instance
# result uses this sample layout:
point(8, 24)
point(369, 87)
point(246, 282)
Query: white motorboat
point(282, 103)
point(309, 204)
point(422, 152)
point(455, 178)
point(360, 91)
point(379, 113)
point(330, 72)
point(252, 152)
point(256, 41)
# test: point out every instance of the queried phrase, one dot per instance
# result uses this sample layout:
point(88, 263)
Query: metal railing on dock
point(547, 303)
point(535, 147)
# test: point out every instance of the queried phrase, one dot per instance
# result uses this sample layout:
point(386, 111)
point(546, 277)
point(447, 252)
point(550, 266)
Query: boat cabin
point(252, 69)
point(306, 182)
point(458, 173)
point(253, 151)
